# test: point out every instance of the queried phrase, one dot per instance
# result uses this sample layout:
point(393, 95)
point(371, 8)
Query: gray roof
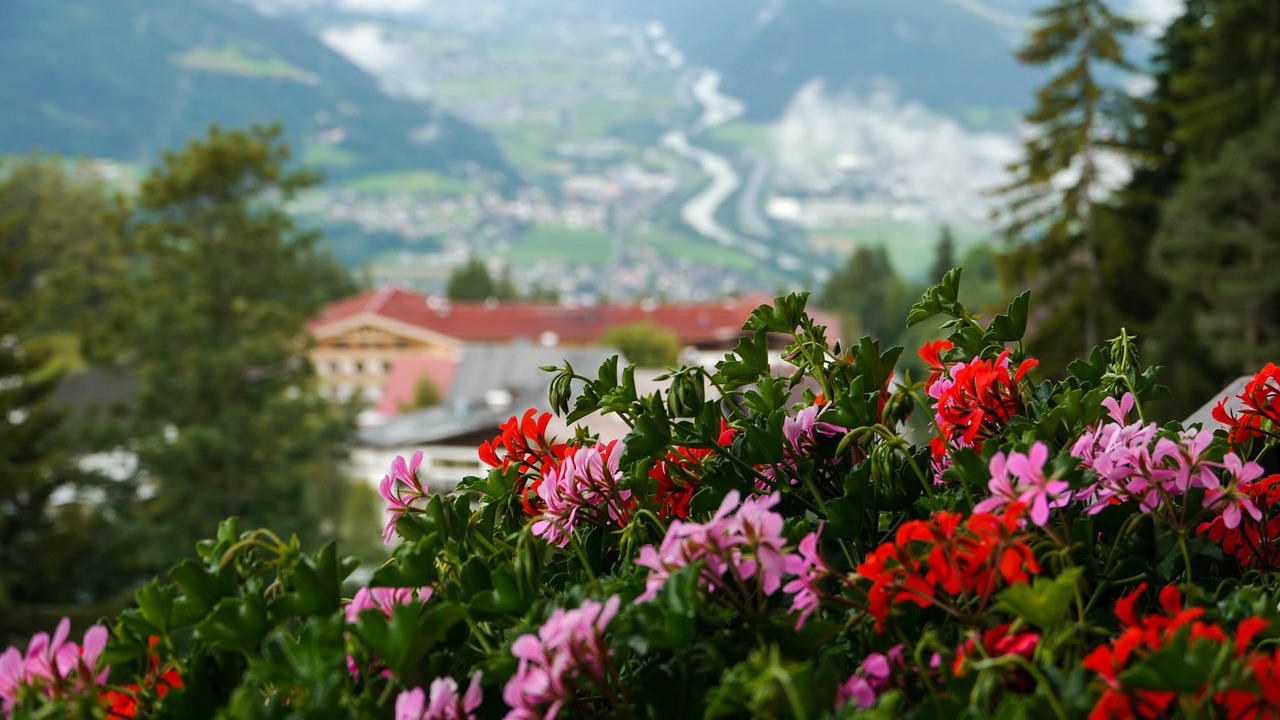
point(1204, 416)
point(492, 383)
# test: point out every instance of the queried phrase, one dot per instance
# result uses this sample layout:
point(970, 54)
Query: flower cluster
point(930, 561)
point(997, 642)
point(401, 488)
point(809, 568)
point(582, 488)
point(1143, 637)
point(523, 444)
point(1020, 478)
point(1134, 463)
point(800, 435)
point(974, 399)
point(441, 701)
point(678, 475)
point(1259, 413)
point(1254, 541)
point(740, 542)
point(383, 599)
point(53, 667)
point(871, 678)
point(568, 655)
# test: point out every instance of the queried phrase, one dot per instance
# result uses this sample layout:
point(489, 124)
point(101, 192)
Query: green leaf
point(236, 624)
point(1174, 668)
point(408, 634)
point(1043, 604)
point(651, 434)
point(155, 601)
point(201, 590)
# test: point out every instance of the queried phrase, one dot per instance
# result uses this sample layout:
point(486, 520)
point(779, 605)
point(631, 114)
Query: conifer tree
point(1221, 241)
point(228, 422)
point(867, 294)
point(43, 544)
point(1233, 75)
point(1051, 219)
point(944, 257)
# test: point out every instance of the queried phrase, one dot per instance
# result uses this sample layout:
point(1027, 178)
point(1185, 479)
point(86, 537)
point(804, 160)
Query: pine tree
point(944, 257)
point(228, 422)
point(44, 546)
point(868, 295)
point(1051, 218)
point(1221, 242)
point(1233, 77)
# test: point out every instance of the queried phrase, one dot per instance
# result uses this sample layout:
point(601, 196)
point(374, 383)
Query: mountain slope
point(128, 78)
point(951, 56)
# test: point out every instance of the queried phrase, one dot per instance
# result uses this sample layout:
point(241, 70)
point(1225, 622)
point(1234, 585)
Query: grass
point(547, 242)
point(232, 60)
point(409, 182)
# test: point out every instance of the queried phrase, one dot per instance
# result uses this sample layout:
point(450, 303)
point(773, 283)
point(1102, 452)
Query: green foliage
point(644, 343)
point(219, 287)
point(920, 605)
point(1221, 240)
point(425, 395)
point(472, 282)
point(868, 295)
point(945, 255)
point(61, 247)
point(1051, 220)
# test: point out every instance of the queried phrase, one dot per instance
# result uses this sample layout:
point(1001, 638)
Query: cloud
point(387, 7)
point(1154, 15)
point(397, 64)
point(907, 154)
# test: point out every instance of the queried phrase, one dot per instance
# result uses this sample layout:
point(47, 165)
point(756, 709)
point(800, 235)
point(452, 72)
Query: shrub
point(1045, 551)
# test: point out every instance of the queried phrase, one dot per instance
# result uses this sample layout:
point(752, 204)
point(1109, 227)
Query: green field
point(677, 246)
point(422, 183)
point(321, 155)
point(911, 243)
point(233, 60)
point(570, 245)
point(747, 135)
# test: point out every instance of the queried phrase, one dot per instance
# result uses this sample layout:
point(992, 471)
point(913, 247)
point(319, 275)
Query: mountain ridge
point(128, 79)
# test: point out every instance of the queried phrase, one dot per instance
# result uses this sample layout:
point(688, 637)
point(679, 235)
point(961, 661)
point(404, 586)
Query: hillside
point(951, 55)
point(128, 78)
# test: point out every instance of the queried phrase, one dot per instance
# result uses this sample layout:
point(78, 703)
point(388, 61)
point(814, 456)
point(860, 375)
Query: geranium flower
point(442, 702)
point(565, 657)
point(583, 488)
point(808, 567)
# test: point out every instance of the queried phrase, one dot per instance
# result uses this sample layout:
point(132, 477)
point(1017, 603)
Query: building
point(359, 340)
point(491, 383)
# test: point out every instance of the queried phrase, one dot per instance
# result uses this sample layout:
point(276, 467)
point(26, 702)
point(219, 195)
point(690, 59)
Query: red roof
point(402, 381)
point(694, 324)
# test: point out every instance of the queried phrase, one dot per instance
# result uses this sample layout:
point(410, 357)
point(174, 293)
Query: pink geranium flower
point(442, 702)
point(565, 657)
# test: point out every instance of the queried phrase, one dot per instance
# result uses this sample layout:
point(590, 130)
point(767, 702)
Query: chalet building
point(359, 341)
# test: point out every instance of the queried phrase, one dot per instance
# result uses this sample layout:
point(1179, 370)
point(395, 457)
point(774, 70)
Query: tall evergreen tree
point(1051, 220)
point(227, 419)
point(1221, 241)
point(1233, 76)
point(1215, 69)
point(867, 294)
point(45, 551)
point(944, 256)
